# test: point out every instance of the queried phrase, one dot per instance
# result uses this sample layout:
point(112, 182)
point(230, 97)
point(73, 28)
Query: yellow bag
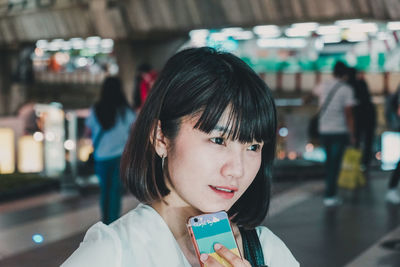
point(351, 176)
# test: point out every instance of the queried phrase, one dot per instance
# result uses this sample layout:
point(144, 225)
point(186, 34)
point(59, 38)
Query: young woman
point(109, 123)
point(203, 142)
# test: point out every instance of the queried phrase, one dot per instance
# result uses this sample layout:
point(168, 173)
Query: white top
point(142, 238)
point(112, 142)
point(333, 119)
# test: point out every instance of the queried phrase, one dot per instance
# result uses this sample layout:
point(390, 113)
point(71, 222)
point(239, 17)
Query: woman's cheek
point(254, 161)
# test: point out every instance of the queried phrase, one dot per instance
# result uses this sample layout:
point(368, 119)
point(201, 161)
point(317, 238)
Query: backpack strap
point(252, 248)
point(328, 99)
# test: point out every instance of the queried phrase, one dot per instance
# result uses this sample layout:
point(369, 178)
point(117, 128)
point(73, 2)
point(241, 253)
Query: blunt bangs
point(251, 109)
point(215, 82)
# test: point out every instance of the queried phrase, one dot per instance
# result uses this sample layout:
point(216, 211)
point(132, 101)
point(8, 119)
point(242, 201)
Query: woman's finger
point(209, 261)
point(230, 257)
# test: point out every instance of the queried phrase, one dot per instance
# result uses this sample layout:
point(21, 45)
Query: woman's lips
point(225, 192)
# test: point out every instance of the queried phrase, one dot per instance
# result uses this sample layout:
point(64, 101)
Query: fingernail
point(203, 257)
point(217, 246)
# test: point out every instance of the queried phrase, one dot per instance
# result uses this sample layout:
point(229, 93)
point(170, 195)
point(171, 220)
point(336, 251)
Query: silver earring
point(162, 161)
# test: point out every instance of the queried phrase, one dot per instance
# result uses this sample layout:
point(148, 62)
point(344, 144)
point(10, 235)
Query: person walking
point(144, 80)
point(392, 195)
point(336, 126)
point(364, 118)
point(109, 123)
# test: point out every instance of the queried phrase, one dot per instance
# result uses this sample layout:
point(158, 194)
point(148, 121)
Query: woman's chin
point(215, 208)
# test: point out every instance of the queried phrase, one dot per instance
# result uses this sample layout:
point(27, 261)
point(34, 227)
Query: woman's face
point(209, 172)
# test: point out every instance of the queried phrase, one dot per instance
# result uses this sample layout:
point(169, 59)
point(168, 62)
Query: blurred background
point(55, 55)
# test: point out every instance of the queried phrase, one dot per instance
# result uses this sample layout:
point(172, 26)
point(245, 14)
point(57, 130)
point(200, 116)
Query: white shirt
point(333, 119)
point(111, 144)
point(142, 238)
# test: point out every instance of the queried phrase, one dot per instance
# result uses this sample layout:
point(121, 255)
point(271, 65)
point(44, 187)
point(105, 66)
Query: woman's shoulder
point(101, 246)
point(276, 253)
point(104, 245)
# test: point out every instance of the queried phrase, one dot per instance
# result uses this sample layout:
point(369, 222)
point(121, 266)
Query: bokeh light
point(37, 238)
point(283, 131)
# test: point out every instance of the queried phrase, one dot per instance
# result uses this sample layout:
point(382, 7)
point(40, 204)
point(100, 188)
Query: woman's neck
point(176, 218)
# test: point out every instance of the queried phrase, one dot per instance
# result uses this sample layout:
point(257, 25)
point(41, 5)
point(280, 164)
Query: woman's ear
point(160, 142)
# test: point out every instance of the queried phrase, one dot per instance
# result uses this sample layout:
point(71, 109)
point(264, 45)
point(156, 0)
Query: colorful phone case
point(208, 229)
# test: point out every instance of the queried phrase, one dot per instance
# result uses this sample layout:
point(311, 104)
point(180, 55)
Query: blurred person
point(391, 106)
point(364, 118)
point(203, 142)
point(336, 126)
point(144, 80)
point(109, 122)
point(27, 114)
point(392, 195)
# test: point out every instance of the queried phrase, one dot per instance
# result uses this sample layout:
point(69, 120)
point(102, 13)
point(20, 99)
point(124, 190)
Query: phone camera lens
point(196, 220)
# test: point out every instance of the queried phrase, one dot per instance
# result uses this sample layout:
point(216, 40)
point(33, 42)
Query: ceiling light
point(199, 33)
point(347, 22)
point(393, 25)
point(297, 32)
point(232, 30)
point(267, 31)
point(309, 26)
point(364, 27)
point(331, 38)
point(282, 43)
point(243, 35)
point(325, 30)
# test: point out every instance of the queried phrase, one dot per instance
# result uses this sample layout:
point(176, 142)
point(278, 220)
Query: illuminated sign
point(30, 155)
point(7, 153)
point(390, 150)
point(52, 119)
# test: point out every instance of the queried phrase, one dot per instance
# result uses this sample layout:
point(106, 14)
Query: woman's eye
point(218, 140)
point(255, 147)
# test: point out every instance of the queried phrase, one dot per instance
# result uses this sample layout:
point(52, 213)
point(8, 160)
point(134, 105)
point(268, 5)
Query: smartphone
point(208, 229)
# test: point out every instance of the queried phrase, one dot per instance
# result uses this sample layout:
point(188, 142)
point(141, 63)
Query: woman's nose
point(233, 165)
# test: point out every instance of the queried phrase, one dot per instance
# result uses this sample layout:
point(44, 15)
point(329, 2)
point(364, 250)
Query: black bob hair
point(204, 82)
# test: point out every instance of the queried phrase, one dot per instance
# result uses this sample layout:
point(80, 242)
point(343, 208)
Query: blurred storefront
point(37, 151)
point(293, 59)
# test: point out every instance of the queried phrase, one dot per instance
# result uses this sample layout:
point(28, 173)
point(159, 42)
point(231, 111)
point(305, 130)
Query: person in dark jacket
point(364, 117)
point(392, 195)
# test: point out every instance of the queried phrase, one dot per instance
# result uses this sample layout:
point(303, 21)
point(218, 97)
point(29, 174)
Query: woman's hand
point(226, 254)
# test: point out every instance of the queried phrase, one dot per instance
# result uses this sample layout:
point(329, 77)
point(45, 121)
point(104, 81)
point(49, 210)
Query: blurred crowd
point(347, 118)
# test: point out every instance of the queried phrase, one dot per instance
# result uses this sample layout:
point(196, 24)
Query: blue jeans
point(334, 145)
point(110, 188)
